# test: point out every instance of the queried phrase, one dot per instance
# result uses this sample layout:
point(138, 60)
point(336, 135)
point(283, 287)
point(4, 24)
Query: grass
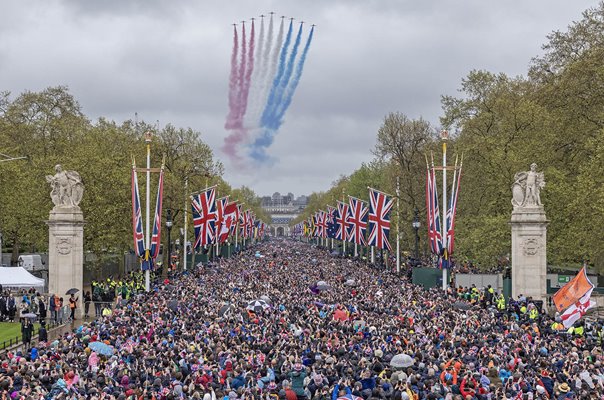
point(10, 330)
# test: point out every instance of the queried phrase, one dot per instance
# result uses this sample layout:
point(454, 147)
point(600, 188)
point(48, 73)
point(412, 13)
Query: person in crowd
point(87, 301)
point(27, 329)
point(250, 327)
point(73, 305)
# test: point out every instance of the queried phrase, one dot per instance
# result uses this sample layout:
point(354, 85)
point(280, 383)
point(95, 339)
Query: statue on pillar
point(526, 188)
point(67, 187)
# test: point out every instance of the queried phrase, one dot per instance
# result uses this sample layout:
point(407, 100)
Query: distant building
point(283, 209)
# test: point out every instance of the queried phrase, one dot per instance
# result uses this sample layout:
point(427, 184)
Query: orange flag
point(570, 293)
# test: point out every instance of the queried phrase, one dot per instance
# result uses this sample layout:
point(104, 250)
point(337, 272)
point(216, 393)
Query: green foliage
point(554, 117)
point(50, 128)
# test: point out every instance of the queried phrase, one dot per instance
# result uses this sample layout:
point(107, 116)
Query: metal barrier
point(51, 323)
point(19, 339)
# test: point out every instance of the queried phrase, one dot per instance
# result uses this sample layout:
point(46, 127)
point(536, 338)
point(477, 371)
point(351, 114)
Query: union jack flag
point(204, 217)
point(220, 206)
point(156, 233)
point(357, 221)
point(237, 219)
point(379, 219)
point(342, 220)
point(322, 224)
point(243, 223)
point(137, 219)
point(434, 232)
point(251, 221)
point(332, 222)
point(229, 219)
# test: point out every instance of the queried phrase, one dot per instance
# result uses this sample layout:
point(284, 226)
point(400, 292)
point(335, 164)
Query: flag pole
point(184, 259)
point(398, 229)
point(148, 137)
point(444, 136)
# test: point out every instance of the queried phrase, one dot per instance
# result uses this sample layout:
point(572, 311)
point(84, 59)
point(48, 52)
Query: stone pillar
point(529, 236)
point(66, 253)
point(529, 252)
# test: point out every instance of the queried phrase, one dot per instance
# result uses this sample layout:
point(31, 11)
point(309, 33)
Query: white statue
point(526, 188)
point(67, 187)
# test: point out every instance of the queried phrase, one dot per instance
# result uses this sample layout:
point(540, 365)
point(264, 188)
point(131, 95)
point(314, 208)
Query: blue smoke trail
point(258, 148)
point(272, 96)
point(290, 93)
point(273, 122)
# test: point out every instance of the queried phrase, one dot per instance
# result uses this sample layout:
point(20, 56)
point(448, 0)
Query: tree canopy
point(553, 116)
point(50, 128)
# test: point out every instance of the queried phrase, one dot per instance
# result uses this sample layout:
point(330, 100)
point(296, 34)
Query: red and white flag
point(578, 309)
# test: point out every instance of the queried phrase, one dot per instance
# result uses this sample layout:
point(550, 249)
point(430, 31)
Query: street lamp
point(169, 228)
point(416, 226)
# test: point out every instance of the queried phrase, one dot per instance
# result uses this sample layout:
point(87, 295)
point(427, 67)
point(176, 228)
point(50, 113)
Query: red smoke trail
point(241, 80)
point(230, 145)
point(230, 122)
point(248, 76)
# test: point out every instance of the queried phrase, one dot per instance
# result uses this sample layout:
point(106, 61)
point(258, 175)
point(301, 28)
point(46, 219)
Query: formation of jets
point(273, 13)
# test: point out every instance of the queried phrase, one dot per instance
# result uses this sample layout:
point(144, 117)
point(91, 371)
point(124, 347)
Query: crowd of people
point(286, 320)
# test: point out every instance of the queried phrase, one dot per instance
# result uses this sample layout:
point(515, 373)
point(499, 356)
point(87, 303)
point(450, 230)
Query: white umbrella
point(402, 361)
point(257, 305)
point(266, 298)
point(350, 282)
point(322, 285)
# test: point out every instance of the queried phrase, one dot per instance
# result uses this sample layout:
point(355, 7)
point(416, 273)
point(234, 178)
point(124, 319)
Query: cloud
point(170, 61)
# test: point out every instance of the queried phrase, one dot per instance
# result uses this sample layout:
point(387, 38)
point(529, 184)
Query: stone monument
point(66, 235)
point(529, 240)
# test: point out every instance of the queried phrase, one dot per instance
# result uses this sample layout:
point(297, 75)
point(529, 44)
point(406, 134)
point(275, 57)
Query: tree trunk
point(14, 258)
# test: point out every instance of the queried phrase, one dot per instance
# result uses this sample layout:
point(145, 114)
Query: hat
point(378, 353)
point(564, 388)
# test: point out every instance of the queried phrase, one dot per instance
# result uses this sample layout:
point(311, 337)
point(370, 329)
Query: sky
point(170, 61)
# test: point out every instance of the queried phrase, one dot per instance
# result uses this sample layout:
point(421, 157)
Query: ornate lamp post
point(416, 226)
point(169, 228)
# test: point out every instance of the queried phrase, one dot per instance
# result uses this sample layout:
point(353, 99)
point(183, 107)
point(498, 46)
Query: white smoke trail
point(251, 118)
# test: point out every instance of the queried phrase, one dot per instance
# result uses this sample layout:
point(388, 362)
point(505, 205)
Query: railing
point(19, 339)
point(51, 323)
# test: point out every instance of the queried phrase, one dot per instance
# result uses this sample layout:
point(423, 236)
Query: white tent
point(18, 277)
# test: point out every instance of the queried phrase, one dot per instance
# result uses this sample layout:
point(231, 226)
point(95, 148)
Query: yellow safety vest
point(533, 314)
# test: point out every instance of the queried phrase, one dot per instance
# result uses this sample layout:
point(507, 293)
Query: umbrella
point(402, 361)
point(72, 291)
point(30, 315)
point(350, 282)
point(101, 348)
point(322, 285)
point(266, 298)
point(257, 305)
point(173, 305)
point(462, 305)
point(226, 309)
point(340, 315)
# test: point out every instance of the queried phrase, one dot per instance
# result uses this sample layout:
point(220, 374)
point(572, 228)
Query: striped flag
point(156, 233)
point(450, 223)
point(137, 218)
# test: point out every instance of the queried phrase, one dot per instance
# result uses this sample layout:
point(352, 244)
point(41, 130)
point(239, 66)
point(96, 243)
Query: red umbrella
point(340, 315)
